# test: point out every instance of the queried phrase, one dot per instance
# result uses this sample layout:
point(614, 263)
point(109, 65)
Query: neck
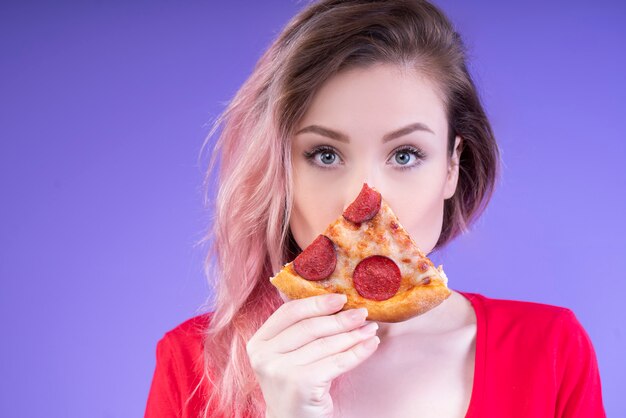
point(449, 315)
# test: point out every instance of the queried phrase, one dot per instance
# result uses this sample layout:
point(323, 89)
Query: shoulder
point(529, 320)
point(179, 369)
point(541, 351)
point(187, 334)
point(190, 329)
point(182, 345)
point(509, 312)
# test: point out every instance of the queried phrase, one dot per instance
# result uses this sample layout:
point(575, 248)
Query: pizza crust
point(400, 307)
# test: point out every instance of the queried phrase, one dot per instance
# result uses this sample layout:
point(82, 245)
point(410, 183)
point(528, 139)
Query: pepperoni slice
point(364, 207)
point(318, 260)
point(377, 277)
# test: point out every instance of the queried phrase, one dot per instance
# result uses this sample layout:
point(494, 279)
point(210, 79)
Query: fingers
point(331, 367)
point(311, 329)
point(310, 341)
point(296, 310)
point(330, 345)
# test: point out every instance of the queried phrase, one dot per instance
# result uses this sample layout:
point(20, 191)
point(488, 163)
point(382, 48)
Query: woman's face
point(383, 126)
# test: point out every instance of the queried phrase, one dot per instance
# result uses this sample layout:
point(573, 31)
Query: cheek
point(421, 211)
point(315, 205)
point(422, 218)
point(427, 229)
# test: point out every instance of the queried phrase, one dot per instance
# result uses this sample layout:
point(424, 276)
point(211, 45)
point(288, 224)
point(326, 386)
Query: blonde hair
point(249, 235)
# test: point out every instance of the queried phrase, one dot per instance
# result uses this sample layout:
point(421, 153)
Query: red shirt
point(532, 360)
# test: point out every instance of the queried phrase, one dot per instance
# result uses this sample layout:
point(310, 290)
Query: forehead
point(377, 100)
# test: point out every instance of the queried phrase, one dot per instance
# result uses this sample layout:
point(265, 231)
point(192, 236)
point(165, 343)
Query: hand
point(302, 347)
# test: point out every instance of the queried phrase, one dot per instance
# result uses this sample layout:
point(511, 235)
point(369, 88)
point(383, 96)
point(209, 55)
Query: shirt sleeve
point(164, 396)
point(579, 391)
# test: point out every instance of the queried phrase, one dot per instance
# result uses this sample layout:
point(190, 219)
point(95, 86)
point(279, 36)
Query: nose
point(355, 187)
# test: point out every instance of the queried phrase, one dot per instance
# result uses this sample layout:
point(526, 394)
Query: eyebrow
point(338, 136)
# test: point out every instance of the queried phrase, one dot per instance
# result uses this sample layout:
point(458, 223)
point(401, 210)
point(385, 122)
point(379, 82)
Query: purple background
point(104, 107)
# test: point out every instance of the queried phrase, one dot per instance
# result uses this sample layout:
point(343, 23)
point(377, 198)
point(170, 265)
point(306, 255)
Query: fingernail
point(369, 328)
point(372, 342)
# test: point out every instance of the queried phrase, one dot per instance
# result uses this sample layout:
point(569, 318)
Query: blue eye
point(328, 155)
point(403, 157)
point(405, 160)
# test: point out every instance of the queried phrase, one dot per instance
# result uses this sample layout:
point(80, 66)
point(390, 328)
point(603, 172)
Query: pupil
point(402, 160)
point(330, 157)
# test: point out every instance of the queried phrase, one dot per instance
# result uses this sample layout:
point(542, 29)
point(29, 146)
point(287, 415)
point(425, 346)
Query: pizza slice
point(367, 255)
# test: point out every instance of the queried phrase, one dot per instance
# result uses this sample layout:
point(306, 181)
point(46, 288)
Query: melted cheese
point(382, 235)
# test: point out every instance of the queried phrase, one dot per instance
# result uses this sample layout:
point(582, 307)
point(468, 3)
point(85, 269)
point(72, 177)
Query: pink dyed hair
point(249, 235)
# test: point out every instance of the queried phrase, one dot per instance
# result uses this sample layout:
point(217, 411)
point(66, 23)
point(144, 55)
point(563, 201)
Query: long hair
point(249, 234)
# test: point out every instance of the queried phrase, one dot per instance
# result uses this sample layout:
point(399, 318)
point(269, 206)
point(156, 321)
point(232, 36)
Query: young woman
point(350, 92)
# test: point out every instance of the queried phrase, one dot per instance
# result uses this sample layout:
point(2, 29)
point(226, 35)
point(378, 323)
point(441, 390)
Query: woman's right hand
point(302, 347)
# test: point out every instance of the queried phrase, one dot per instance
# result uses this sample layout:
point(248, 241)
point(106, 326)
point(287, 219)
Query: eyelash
point(310, 156)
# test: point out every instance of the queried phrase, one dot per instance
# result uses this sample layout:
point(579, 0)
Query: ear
point(453, 169)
